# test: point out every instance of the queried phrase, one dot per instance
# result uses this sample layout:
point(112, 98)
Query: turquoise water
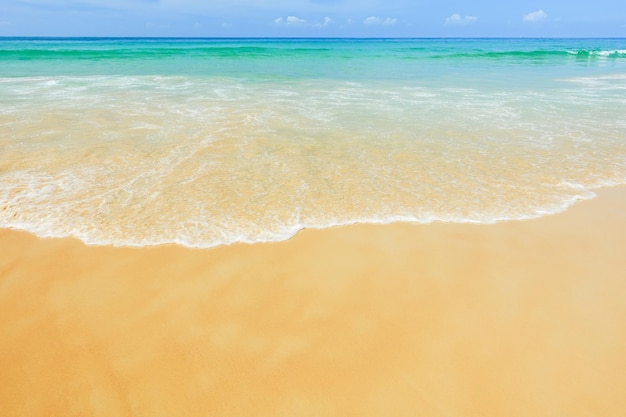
point(203, 142)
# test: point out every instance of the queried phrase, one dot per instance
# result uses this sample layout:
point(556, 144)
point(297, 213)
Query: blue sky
point(313, 18)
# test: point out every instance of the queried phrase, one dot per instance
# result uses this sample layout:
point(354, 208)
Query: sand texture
point(514, 319)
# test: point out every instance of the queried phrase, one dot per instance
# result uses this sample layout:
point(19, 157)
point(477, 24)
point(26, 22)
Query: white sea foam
point(601, 53)
point(47, 227)
point(201, 162)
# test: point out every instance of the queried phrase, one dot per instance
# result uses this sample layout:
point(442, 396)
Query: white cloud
point(297, 21)
point(457, 19)
point(535, 16)
point(290, 20)
point(293, 20)
point(327, 22)
point(375, 20)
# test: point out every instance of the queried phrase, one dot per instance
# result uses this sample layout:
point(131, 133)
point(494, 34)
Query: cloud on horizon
point(289, 20)
point(458, 20)
point(375, 20)
point(297, 21)
point(327, 21)
point(537, 16)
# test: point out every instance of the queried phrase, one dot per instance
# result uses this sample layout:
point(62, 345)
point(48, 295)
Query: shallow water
point(207, 142)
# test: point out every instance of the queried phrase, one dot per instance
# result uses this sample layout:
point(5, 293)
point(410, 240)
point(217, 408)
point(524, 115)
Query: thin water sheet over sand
point(514, 319)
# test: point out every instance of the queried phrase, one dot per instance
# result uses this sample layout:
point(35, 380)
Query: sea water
point(203, 142)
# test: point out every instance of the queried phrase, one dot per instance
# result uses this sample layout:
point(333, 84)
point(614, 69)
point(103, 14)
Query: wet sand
point(514, 319)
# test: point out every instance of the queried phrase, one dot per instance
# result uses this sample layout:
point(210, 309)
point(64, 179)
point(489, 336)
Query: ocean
point(205, 142)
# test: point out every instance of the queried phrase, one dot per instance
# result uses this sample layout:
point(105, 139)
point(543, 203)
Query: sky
point(313, 18)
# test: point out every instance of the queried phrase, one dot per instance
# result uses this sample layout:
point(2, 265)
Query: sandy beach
point(523, 318)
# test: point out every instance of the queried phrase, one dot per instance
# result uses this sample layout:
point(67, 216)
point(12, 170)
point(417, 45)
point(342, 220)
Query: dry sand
point(514, 319)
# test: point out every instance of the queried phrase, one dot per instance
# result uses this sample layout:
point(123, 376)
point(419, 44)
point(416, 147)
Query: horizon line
point(310, 37)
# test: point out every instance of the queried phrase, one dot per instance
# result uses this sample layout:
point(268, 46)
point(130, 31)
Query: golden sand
point(514, 319)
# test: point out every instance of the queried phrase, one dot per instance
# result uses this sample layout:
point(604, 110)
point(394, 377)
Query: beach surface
point(521, 318)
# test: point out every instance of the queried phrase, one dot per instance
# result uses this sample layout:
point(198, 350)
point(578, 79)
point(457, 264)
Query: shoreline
point(356, 223)
point(507, 319)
